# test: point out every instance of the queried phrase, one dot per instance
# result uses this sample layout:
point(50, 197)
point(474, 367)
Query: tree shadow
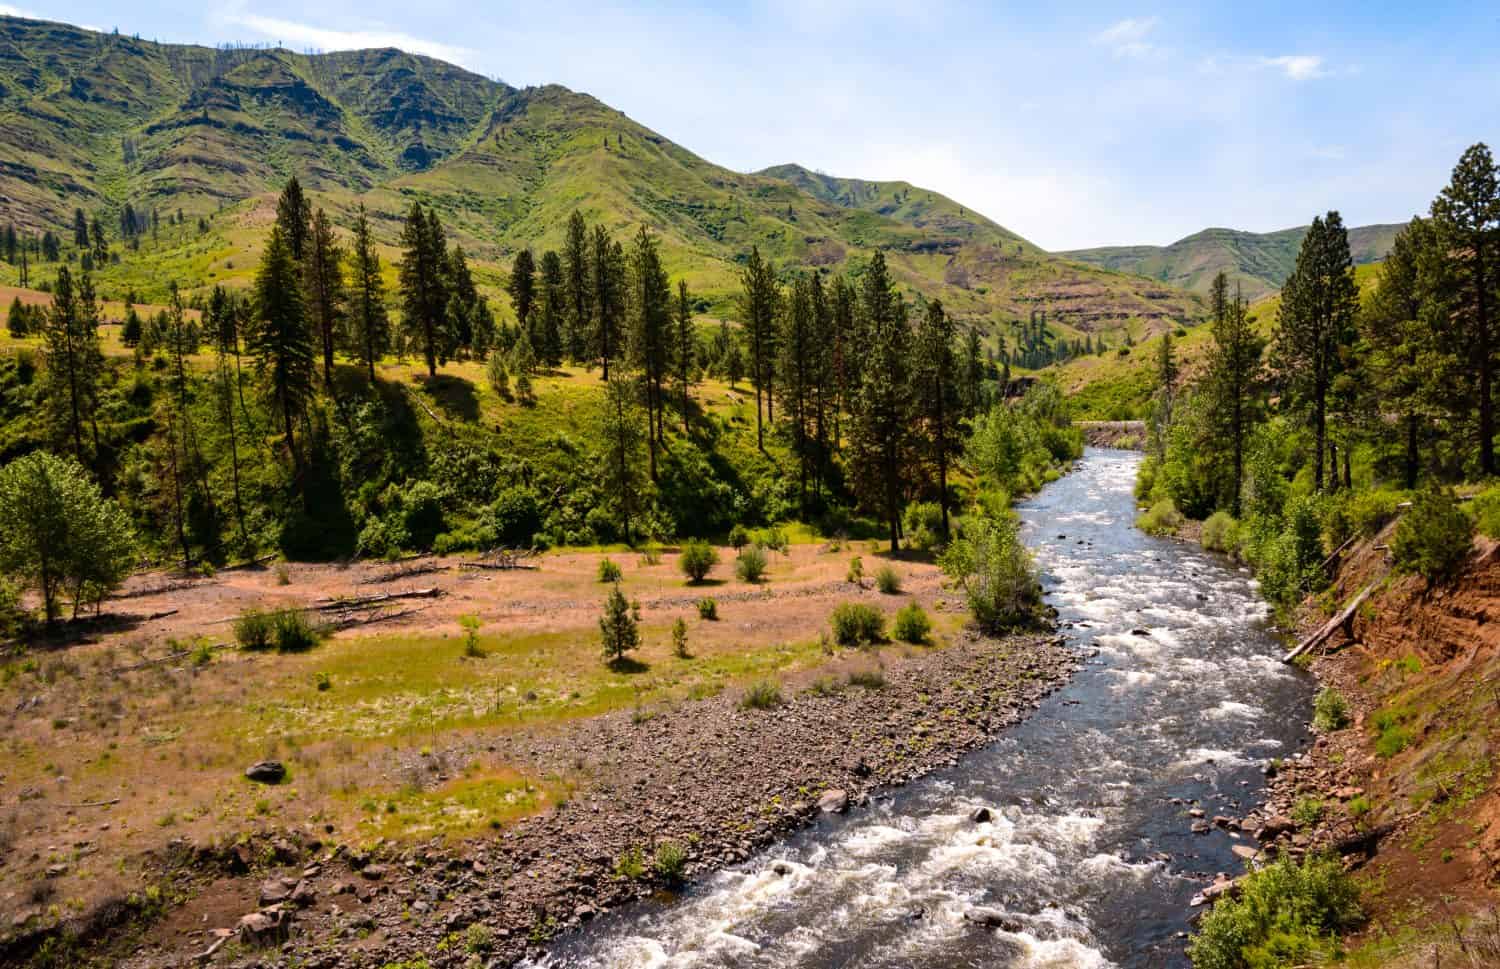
point(454, 396)
point(707, 583)
point(628, 666)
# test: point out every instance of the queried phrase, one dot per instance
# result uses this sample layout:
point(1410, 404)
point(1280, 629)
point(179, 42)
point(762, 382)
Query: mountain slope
point(96, 121)
point(1258, 262)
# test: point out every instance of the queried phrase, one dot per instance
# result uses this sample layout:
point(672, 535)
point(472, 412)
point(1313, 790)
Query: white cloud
point(1128, 37)
point(1297, 67)
point(6, 10)
point(300, 35)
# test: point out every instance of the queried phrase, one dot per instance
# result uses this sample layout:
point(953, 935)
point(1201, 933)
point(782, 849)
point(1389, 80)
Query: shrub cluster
point(286, 630)
point(854, 623)
point(697, 560)
point(1286, 915)
point(992, 566)
point(1433, 538)
point(750, 564)
point(1221, 533)
point(911, 624)
point(1162, 518)
point(1330, 711)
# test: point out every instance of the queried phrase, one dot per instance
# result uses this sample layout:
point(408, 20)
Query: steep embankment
point(1406, 789)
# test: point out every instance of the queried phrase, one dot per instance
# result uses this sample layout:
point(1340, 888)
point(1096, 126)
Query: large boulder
point(266, 772)
point(269, 926)
point(834, 801)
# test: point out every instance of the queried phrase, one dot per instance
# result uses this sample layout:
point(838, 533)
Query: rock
point(373, 872)
point(56, 871)
point(980, 815)
point(276, 890)
point(1244, 852)
point(584, 912)
point(835, 801)
point(266, 772)
point(1140, 632)
point(271, 926)
point(781, 868)
point(304, 894)
point(1274, 827)
point(1202, 827)
point(1230, 824)
point(1195, 812)
point(992, 918)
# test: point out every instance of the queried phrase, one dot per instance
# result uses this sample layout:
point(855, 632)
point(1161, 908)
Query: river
point(1089, 852)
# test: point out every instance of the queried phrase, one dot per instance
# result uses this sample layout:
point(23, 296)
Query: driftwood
point(1363, 842)
point(369, 619)
point(336, 603)
point(503, 559)
point(403, 572)
point(179, 654)
point(154, 590)
point(84, 804)
point(1332, 625)
point(1333, 558)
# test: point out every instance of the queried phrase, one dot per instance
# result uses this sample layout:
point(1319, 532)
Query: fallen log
point(1328, 628)
point(179, 654)
point(1334, 556)
point(84, 804)
point(348, 622)
point(373, 599)
point(502, 566)
point(404, 572)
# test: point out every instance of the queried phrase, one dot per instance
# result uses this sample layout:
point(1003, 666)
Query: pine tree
point(423, 297)
point(185, 461)
point(101, 246)
point(685, 351)
point(973, 373)
point(324, 278)
point(1233, 381)
point(795, 386)
point(620, 464)
point(607, 288)
point(80, 230)
point(280, 341)
point(1315, 325)
point(882, 409)
point(651, 333)
point(821, 367)
point(552, 311)
point(467, 312)
point(1401, 343)
point(522, 287)
point(939, 404)
point(222, 319)
point(368, 336)
point(294, 216)
point(1466, 217)
point(73, 360)
point(575, 259)
point(844, 364)
point(759, 300)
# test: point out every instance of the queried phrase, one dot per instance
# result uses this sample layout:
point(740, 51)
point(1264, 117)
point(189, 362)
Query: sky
point(1075, 125)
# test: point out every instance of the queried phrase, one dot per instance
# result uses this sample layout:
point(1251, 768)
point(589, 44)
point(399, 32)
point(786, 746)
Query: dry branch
point(1328, 628)
point(335, 603)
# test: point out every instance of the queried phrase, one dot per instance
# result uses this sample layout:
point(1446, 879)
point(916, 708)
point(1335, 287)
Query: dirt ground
point(125, 747)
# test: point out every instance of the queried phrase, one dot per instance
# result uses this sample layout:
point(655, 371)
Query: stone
point(266, 772)
point(1274, 827)
point(1230, 824)
point(275, 891)
point(980, 815)
point(992, 918)
point(835, 801)
point(1202, 827)
point(373, 872)
point(304, 894)
point(268, 927)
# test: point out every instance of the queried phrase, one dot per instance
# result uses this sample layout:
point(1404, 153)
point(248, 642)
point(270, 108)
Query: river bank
point(715, 779)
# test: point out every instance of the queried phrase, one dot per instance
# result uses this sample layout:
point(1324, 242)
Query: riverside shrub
point(1286, 915)
point(1433, 538)
point(750, 564)
point(992, 566)
point(1162, 518)
point(1220, 533)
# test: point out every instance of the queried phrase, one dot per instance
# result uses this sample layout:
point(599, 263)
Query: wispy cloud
point(1129, 37)
point(6, 10)
point(1296, 67)
point(300, 35)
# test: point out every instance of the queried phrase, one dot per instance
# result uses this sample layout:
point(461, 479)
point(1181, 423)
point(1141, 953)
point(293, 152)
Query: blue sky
point(1094, 124)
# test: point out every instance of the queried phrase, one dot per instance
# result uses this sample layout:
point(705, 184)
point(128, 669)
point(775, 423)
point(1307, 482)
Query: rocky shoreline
point(710, 777)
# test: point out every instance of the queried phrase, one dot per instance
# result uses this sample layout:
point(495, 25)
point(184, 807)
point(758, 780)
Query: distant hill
point(95, 121)
point(1259, 262)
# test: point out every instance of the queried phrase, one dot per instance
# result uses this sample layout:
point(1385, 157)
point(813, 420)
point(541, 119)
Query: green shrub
point(471, 625)
point(697, 560)
point(619, 627)
point(1358, 807)
point(609, 571)
point(856, 573)
point(322, 681)
point(923, 524)
point(1433, 538)
point(1392, 737)
point(1330, 711)
point(1285, 915)
point(287, 630)
point(1485, 510)
point(868, 679)
point(994, 569)
point(1308, 811)
point(773, 538)
point(750, 564)
point(498, 376)
point(515, 516)
point(708, 608)
point(911, 624)
point(253, 629)
point(651, 553)
point(1368, 511)
point(631, 863)
point(1162, 518)
point(670, 862)
point(679, 638)
point(888, 580)
point(854, 623)
point(1221, 533)
point(739, 537)
point(762, 695)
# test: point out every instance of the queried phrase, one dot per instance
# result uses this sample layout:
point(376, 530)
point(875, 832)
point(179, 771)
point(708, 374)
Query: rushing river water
point(1090, 851)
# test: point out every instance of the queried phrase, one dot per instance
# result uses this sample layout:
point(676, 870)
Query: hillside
point(96, 121)
point(1258, 262)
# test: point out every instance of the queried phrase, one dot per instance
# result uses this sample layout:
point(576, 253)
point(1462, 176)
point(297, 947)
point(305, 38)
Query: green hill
point(96, 121)
point(1259, 262)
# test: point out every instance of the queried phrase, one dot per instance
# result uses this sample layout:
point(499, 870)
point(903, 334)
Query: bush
point(888, 580)
point(994, 569)
point(498, 376)
point(868, 679)
point(1485, 510)
point(516, 516)
point(1308, 811)
point(854, 623)
point(679, 638)
point(609, 571)
point(1330, 711)
point(762, 695)
point(911, 624)
point(750, 565)
point(284, 630)
point(670, 862)
point(631, 863)
point(697, 560)
point(1392, 737)
point(739, 537)
point(1163, 518)
point(651, 553)
point(856, 574)
point(774, 539)
point(471, 625)
point(1433, 538)
point(923, 524)
point(1368, 511)
point(1286, 914)
point(619, 627)
point(708, 609)
point(1221, 533)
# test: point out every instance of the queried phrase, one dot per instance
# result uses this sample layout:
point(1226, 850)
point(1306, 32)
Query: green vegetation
point(750, 565)
point(680, 639)
point(871, 679)
point(1391, 734)
point(991, 565)
point(1330, 711)
point(911, 624)
point(855, 624)
point(285, 630)
point(619, 626)
point(762, 695)
point(888, 580)
point(697, 560)
point(708, 609)
point(609, 571)
point(1163, 518)
point(1433, 538)
point(1285, 914)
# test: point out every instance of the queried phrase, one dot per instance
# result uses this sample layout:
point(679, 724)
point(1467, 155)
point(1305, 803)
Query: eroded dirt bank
point(709, 776)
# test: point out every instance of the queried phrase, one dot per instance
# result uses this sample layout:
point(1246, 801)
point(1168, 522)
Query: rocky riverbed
point(711, 777)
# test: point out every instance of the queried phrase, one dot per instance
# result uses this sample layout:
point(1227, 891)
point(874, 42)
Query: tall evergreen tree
point(1466, 217)
point(1233, 379)
point(1315, 325)
point(222, 320)
point(552, 311)
point(322, 271)
point(1401, 343)
point(685, 351)
point(607, 296)
point(939, 405)
point(650, 333)
point(280, 342)
point(620, 463)
point(369, 327)
point(795, 386)
point(73, 361)
point(843, 350)
point(294, 216)
point(522, 287)
point(759, 299)
point(424, 298)
point(575, 266)
point(80, 229)
point(882, 410)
